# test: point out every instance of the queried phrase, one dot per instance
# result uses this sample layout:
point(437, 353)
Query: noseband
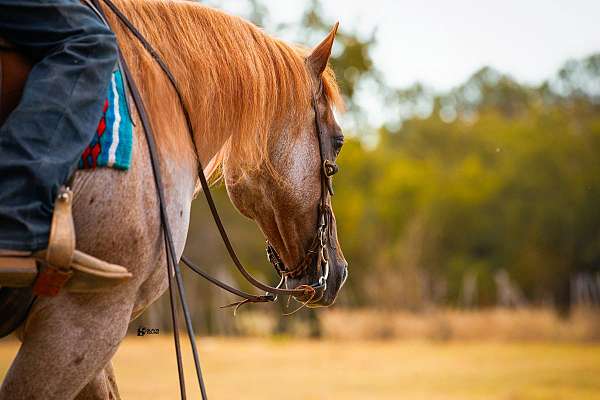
point(318, 246)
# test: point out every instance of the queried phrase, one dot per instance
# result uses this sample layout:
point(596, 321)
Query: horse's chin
point(321, 298)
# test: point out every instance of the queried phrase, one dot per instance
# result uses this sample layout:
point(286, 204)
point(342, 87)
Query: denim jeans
point(41, 141)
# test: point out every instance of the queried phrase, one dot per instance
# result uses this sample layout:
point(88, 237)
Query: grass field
point(293, 369)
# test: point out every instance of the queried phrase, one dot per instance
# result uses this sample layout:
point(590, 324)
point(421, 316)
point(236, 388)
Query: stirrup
point(60, 265)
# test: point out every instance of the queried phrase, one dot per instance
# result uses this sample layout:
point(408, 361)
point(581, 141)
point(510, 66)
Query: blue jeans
point(41, 141)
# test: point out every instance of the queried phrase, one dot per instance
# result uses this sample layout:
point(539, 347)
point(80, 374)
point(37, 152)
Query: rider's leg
point(42, 139)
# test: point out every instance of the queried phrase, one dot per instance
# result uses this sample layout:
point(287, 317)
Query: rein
point(317, 248)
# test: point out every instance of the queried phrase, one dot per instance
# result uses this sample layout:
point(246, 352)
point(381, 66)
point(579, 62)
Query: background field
point(496, 354)
point(300, 369)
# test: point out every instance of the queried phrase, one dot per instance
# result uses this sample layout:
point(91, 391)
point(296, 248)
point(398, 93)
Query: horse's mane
point(241, 80)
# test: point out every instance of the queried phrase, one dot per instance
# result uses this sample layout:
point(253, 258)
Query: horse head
point(289, 195)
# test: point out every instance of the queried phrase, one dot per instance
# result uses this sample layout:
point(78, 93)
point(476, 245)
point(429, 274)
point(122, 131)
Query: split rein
point(271, 292)
point(173, 270)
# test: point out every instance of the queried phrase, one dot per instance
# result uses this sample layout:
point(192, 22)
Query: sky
point(441, 43)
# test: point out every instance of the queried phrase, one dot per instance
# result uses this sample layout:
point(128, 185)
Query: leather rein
point(317, 248)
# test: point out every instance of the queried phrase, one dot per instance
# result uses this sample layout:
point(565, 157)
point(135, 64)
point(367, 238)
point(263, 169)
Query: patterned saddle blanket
point(113, 142)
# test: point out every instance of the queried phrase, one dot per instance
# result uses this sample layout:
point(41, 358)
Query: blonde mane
point(236, 79)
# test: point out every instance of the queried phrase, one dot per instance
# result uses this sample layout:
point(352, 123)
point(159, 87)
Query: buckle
point(274, 259)
point(330, 168)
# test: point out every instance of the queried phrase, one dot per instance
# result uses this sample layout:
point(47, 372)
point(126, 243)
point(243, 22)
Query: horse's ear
point(318, 57)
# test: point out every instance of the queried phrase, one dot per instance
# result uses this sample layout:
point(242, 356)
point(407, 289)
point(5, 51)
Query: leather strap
point(61, 244)
point(57, 258)
point(172, 264)
point(303, 291)
point(18, 271)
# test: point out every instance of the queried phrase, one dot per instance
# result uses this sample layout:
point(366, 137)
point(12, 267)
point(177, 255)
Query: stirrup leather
point(56, 259)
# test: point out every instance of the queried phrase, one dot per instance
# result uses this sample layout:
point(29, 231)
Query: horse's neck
point(236, 81)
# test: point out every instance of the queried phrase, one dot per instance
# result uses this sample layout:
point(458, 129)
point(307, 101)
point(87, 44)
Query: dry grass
point(298, 369)
point(446, 355)
point(583, 325)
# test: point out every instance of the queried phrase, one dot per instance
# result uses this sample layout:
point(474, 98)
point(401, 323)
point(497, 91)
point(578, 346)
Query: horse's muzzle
point(322, 297)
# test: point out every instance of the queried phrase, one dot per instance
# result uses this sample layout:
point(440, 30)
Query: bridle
point(323, 235)
point(328, 169)
point(318, 247)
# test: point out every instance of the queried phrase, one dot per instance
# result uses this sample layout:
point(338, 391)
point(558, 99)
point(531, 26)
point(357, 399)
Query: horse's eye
point(338, 142)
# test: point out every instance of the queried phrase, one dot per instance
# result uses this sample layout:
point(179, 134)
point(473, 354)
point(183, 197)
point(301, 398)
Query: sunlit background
point(468, 207)
point(470, 178)
point(467, 203)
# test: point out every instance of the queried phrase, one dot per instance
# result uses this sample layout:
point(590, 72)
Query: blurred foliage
point(486, 193)
point(351, 58)
point(352, 62)
point(498, 177)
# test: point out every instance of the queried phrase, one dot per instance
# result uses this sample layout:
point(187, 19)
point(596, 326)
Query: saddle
point(14, 69)
point(60, 265)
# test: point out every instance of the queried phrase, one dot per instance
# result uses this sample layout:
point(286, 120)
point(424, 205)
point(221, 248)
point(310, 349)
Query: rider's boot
point(60, 265)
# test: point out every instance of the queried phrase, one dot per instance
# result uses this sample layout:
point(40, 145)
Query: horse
point(250, 98)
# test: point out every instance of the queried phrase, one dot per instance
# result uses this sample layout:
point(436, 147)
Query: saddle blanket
point(112, 144)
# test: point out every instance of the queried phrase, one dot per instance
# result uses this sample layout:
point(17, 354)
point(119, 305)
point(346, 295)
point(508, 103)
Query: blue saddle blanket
point(113, 141)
